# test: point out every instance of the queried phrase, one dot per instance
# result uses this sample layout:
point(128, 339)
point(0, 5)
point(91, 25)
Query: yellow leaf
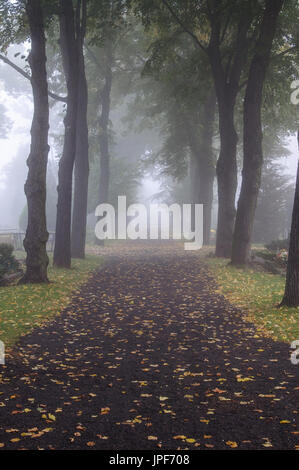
point(231, 444)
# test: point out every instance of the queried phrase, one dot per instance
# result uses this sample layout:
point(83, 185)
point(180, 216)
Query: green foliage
point(175, 82)
point(8, 263)
point(173, 24)
point(13, 22)
point(105, 18)
point(125, 180)
point(279, 115)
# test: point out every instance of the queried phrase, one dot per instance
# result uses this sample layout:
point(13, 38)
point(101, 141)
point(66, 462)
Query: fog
point(131, 139)
point(15, 149)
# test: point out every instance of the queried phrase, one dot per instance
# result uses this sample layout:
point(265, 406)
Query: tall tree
point(222, 30)
point(103, 59)
point(291, 294)
point(202, 156)
point(104, 124)
point(275, 202)
point(227, 75)
point(35, 188)
point(81, 157)
point(70, 25)
point(108, 23)
point(252, 134)
point(179, 97)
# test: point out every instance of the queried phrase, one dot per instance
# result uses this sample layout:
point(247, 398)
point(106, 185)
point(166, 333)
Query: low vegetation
point(23, 307)
point(258, 294)
point(8, 263)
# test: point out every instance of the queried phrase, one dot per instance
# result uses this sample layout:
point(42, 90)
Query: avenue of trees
point(208, 82)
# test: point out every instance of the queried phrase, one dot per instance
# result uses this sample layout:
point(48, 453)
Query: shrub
point(277, 245)
point(8, 263)
point(282, 257)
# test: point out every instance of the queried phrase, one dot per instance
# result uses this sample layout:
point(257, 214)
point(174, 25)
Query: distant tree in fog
point(274, 207)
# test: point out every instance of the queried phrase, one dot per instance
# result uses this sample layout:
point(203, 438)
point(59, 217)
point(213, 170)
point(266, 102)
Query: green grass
point(26, 306)
point(258, 294)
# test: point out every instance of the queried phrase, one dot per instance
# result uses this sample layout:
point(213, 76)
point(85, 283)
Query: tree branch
point(93, 57)
point(179, 21)
point(286, 51)
point(28, 77)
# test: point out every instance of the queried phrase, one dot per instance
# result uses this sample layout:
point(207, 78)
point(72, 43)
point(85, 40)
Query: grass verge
point(24, 307)
point(257, 294)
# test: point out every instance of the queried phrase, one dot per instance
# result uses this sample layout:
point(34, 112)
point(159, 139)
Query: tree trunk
point(202, 165)
point(206, 165)
point(81, 160)
point(69, 49)
point(252, 137)
point(104, 123)
point(291, 294)
point(226, 170)
point(206, 183)
point(226, 78)
point(35, 188)
point(104, 135)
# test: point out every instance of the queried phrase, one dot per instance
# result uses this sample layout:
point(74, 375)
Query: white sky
point(292, 161)
point(20, 132)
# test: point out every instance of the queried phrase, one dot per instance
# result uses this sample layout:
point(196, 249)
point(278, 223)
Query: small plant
point(8, 262)
point(282, 257)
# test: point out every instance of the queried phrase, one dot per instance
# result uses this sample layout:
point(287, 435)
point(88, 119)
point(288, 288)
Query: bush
point(8, 263)
point(282, 257)
point(278, 245)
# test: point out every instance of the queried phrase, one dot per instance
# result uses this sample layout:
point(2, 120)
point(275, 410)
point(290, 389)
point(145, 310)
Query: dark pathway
point(147, 356)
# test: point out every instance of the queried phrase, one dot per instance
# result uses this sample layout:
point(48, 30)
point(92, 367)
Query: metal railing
point(16, 238)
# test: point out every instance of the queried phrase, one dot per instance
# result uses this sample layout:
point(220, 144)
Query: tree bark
point(252, 135)
point(81, 159)
point(69, 49)
point(226, 170)
point(35, 188)
point(291, 294)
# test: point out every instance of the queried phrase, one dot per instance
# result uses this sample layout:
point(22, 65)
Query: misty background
point(130, 145)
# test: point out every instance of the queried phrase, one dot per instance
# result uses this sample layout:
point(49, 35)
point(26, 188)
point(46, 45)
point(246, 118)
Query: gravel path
point(148, 356)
